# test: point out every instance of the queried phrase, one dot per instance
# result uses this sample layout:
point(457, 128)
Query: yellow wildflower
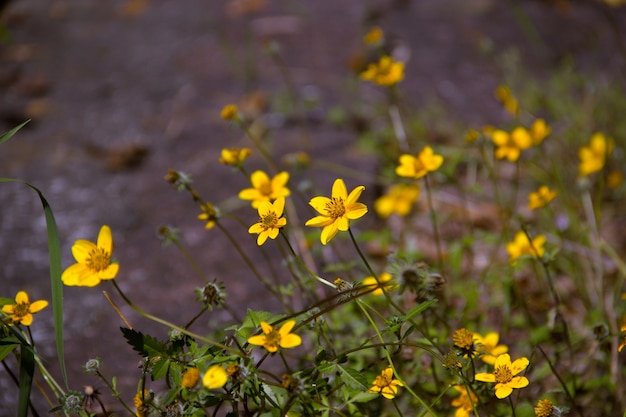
point(22, 311)
point(488, 347)
point(271, 339)
point(381, 283)
point(505, 375)
point(385, 384)
point(234, 156)
point(265, 189)
point(270, 220)
point(539, 130)
point(545, 408)
point(593, 157)
point(209, 215)
point(336, 211)
point(463, 340)
point(465, 402)
point(190, 378)
point(374, 36)
point(385, 72)
point(399, 200)
point(508, 100)
point(420, 165)
point(510, 145)
point(215, 377)
point(614, 179)
point(93, 261)
point(541, 197)
point(229, 112)
point(522, 246)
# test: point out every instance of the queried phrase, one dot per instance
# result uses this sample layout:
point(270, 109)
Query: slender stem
point(114, 391)
point(512, 406)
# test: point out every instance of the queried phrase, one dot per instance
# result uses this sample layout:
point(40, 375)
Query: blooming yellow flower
point(541, 197)
point(545, 408)
point(229, 112)
point(270, 220)
point(22, 311)
point(510, 145)
point(190, 378)
point(383, 279)
point(418, 166)
point(504, 375)
point(593, 157)
point(385, 72)
point(522, 246)
point(215, 377)
point(399, 200)
point(385, 384)
point(265, 189)
point(465, 402)
point(488, 347)
point(539, 130)
point(234, 156)
point(93, 261)
point(463, 339)
point(374, 36)
point(209, 215)
point(271, 339)
point(508, 100)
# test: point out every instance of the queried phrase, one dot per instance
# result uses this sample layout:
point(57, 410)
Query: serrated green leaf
point(353, 378)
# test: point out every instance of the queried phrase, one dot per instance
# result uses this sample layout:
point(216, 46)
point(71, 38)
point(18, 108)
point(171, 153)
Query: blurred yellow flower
point(510, 145)
point(234, 156)
point(472, 136)
point(488, 347)
point(614, 179)
point(229, 112)
point(420, 165)
point(383, 280)
point(539, 130)
point(465, 402)
point(522, 246)
point(385, 384)
point(504, 375)
point(22, 311)
point(270, 220)
point(209, 215)
point(93, 261)
point(271, 339)
point(336, 211)
point(265, 189)
point(593, 157)
point(374, 36)
point(399, 200)
point(385, 72)
point(190, 378)
point(508, 100)
point(215, 377)
point(541, 197)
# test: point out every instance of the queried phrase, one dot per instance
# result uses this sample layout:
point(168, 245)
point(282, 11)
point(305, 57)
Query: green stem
point(115, 393)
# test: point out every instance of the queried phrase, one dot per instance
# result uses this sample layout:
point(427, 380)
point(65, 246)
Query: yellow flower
point(399, 200)
point(593, 157)
point(463, 339)
point(209, 215)
point(385, 72)
point(504, 375)
point(93, 261)
point(265, 189)
point(488, 347)
point(380, 284)
point(472, 136)
point(374, 36)
point(234, 156)
point(215, 377)
point(22, 311)
point(418, 166)
point(510, 146)
point(385, 384)
point(271, 339)
point(465, 402)
point(508, 100)
point(539, 131)
point(190, 378)
point(337, 211)
point(541, 197)
point(270, 220)
point(522, 246)
point(614, 179)
point(545, 408)
point(229, 112)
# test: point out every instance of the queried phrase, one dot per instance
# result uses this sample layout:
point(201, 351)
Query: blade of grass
point(6, 136)
point(27, 369)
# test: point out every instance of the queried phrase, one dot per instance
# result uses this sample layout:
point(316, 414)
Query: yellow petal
point(21, 298)
point(73, 274)
point(258, 340)
point(339, 189)
point(320, 204)
point(328, 233)
point(279, 206)
point(319, 221)
point(27, 320)
point(38, 306)
point(354, 195)
point(259, 179)
point(485, 377)
point(256, 228)
point(285, 329)
point(81, 250)
point(503, 360)
point(105, 239)
point(110, 272)
point(503, 391)
point(518, 382)
point(290, 340)
point(356, 211)
point(267, 328)
point(260, 240)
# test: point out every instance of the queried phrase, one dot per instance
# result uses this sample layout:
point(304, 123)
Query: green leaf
point(27, 369)
point(6, 348)
point(8, 135)
point(160, 368)
point(353, 378)
point(145, 345)
point(418, 309)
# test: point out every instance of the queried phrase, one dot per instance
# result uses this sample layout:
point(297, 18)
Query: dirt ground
point(120, 91)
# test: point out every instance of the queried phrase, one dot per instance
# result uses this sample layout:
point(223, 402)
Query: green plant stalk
point(115, 393)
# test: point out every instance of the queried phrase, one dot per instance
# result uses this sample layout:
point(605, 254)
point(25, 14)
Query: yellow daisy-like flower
point(539, 130)
point(593, 157)
point(22, 311)
point(234, 156)
point(215, 377)
point(399, 200)
point(510, 145)
point(522, 246)
point(545, 408)
point(508, 100)
point(383, 282)
point(463, 340)
point(488, 347)
point(336, 211)
point(93, 261)
point(385, 384)
point(270, 220)
point(265, 189)
point(271, 338)
point(374, 36)
point(541, 197)
point(505, 375)
point(385, 72)
point(209, 215)
point(465, 402)
point(190, 378)
point(229, 112)
point(418, 166)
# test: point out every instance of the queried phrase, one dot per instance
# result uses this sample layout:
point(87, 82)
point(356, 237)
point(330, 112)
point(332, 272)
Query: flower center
point(272, 338)
point(98, 260)
point(335, 208)
point(269, 220)
point(503, 374)
point(266, 189)
point(21, 310)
